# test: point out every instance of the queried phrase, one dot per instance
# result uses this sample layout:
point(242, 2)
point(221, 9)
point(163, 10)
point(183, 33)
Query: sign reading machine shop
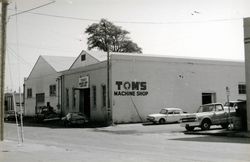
point(132, 88)
point(83, 82)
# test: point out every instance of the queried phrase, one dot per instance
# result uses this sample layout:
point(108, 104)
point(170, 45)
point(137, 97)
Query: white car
point(166, 115)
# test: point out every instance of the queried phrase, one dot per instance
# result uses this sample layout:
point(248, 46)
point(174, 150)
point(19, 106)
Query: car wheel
point(205, 125)
point(224, 126)
point(162, 121)
point(188, 128)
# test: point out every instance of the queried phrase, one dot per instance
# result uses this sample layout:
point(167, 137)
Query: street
point(128, 142)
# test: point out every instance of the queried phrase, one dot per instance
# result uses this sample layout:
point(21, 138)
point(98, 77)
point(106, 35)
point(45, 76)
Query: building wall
point(41, 77)
point(97, 77)
point(171, 83)
point(247, 60)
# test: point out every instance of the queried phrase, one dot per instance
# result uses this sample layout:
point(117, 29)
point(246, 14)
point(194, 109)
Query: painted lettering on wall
point(126, 88)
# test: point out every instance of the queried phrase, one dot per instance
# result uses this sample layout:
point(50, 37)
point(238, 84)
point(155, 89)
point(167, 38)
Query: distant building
point(13, 98)
point(43, 83)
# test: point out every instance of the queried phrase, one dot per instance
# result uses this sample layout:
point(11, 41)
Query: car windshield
point(206, 108)
point(229, 104)
point(163, 111)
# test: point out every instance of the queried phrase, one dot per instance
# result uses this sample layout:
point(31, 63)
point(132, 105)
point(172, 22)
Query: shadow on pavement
point(216, 139)
point(55, 124)
point(154, 124)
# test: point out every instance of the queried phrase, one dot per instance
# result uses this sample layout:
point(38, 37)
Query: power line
point(134, 22)
point(11, 51)
point(21, 12)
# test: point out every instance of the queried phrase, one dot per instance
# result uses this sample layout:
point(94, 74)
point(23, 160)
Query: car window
point(219, 108)
point(170, 112)
point(206, 108)
point(177, 112)
point(163, 111)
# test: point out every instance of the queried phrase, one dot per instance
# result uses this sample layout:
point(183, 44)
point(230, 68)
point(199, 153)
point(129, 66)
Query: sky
point(189, 28)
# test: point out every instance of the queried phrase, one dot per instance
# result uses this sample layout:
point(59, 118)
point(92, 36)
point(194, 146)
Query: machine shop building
point(142, 84)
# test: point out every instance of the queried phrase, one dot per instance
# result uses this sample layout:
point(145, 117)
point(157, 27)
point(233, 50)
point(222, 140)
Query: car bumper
point(190, 124)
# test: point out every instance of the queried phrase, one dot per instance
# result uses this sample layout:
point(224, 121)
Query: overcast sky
point(190, 28)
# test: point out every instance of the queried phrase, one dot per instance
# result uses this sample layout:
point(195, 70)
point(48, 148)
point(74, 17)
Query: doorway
point(208, 98)
point(40, 102)
point(84, 101)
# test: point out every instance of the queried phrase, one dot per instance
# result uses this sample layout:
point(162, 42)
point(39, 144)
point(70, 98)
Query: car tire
point(188, 128)
point(205, 125)
point(224, 126)
point(66, 124)
point(162, 121)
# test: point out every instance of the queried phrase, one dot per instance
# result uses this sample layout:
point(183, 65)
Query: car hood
point(156, 115)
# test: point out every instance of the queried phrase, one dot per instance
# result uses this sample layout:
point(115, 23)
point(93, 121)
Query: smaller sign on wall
point(83, 82)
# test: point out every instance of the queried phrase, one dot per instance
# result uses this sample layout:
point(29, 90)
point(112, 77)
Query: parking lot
point(128, 142)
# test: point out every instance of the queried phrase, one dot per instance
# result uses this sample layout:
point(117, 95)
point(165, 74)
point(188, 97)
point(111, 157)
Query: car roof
point(216, 103)
point(172, 108)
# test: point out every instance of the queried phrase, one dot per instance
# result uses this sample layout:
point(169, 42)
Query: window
point(242, 88)
point(177, 112)
point(219, 108)
point(52, 90)
point(83, 57)
point(67, 97)
point(104, 95)
point(94, 96)
point(74, 97)
point(29, 93)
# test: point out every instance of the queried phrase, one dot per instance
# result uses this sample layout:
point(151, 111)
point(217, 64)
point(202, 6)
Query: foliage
point(107, 36)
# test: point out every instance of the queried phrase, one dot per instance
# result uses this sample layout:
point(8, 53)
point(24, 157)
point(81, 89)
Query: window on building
point(74, 97)
point(83, 57)
point(67, 97)
point(52, 90)
point(104, 95)
point(29, 93)
point(242, 88)
point(94, 96)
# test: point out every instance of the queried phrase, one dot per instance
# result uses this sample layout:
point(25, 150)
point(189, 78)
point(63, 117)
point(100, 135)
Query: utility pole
point(4, 4)
point(109, 117)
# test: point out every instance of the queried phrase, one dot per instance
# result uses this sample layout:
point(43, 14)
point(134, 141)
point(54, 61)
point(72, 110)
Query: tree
point(107, 36)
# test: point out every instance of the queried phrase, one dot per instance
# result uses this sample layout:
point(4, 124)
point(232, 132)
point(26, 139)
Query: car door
point(177, 116)
point(170, 116)
point(220, 116)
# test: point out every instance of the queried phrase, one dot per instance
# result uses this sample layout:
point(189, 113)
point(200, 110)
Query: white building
point(142, 84)
point(43, 83)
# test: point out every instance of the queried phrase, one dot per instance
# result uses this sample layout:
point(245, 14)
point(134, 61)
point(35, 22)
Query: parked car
point(10, 115)
point(75, 119)
point(46, 113)
point(166, 115)
point(207, 115)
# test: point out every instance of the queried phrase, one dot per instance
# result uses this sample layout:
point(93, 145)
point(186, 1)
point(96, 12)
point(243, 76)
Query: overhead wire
point(13, 53)
point(134, 22)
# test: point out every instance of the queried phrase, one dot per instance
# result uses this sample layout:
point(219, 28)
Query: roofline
point(80, 55)
point(33, 67)
point(41, 56)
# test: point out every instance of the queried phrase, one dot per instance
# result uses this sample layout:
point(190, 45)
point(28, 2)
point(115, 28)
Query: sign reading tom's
point(130, 88)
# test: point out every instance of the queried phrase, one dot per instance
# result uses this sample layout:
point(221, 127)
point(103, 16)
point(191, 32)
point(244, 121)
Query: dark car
point(10, 115)
point(46, 113)
point(75, 119)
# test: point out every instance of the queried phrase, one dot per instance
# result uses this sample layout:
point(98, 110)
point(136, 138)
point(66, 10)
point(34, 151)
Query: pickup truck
point(207, 115)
